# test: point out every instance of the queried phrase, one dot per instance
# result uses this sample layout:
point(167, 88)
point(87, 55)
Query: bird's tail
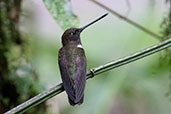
point(73, 103)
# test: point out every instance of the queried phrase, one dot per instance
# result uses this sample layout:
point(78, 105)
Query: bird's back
point(72, 63)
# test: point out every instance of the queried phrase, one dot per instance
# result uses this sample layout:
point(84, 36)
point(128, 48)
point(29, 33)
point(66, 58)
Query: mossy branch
point(90, 74)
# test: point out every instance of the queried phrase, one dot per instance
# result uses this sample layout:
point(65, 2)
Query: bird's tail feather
point(73, 103)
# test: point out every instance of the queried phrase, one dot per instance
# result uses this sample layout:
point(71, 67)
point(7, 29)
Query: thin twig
point(129, 7)
point(128, 20)
point(94, 71)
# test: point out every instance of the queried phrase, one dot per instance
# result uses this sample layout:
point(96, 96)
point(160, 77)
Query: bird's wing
point(73, 71)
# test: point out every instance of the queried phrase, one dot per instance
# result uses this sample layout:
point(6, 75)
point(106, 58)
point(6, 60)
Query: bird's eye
point(73, 33)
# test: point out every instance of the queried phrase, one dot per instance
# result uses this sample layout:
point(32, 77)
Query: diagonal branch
point(94, 71)
point(128, 20)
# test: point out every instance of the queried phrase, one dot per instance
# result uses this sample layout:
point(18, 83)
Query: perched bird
point(72, 64)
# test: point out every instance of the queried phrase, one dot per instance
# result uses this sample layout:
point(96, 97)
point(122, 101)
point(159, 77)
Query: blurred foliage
point(166, 24)
point(166, 31)
point(62, 12)
point(18, 80)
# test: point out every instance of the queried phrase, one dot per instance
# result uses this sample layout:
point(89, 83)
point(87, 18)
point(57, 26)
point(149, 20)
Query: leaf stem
point(128, 20)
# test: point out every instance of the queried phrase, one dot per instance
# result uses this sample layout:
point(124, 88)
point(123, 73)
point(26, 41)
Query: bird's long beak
point(81, 29)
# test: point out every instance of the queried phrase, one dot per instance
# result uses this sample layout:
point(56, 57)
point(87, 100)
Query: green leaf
point(61, 10)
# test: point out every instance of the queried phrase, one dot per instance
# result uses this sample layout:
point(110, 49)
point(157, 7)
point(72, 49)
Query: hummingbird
point(72, 63)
